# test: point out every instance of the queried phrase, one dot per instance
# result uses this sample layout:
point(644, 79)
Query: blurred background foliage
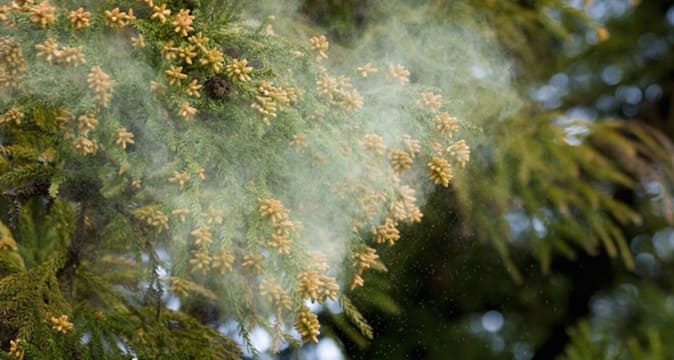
point(572, 188)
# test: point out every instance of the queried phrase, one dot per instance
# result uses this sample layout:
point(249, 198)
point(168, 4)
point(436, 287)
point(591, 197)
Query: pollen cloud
point(266, 163)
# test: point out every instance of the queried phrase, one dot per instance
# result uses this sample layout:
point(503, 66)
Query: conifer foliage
point(156, 152)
